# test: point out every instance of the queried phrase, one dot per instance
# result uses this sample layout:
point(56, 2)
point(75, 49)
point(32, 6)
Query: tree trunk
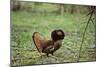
point(61, 9)
point(15, 5)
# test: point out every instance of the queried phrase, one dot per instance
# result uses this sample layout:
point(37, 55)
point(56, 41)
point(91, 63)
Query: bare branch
point(83, 37)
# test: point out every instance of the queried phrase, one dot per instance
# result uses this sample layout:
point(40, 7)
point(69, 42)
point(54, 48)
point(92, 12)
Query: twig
point(93, 23)
point(84, 35)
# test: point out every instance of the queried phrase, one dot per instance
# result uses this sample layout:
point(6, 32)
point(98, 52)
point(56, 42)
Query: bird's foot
point(52, 53)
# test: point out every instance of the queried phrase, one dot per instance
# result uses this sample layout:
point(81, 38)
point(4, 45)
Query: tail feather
point(38, 40)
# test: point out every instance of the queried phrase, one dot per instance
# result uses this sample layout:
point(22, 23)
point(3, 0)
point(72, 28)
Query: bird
point(48, 46)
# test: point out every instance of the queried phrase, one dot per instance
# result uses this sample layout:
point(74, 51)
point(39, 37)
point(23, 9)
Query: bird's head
point(57, 35)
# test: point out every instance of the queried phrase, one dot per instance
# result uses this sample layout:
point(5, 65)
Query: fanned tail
point(38, 40)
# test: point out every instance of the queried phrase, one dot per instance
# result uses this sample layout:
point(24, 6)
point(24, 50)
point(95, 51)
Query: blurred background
point(77, 21)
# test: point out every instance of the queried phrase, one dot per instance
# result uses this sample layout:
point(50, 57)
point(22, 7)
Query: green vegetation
point(24, 23)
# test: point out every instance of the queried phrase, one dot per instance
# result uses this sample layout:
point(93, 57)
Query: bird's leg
point(52, 53)
point(47, 54)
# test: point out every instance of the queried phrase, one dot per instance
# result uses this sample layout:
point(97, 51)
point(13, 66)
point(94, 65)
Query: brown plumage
point(48, 46)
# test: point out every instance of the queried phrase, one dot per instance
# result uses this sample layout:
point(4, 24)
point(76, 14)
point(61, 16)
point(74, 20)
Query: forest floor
point(24, 24)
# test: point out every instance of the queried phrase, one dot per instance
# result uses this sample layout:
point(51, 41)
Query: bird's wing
point(38, 40)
